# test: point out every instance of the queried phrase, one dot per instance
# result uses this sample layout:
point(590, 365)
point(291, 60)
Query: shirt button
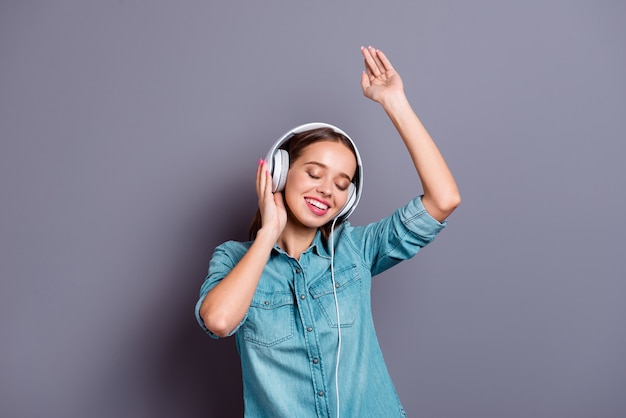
point(297, 271)
point(315, 361)
point(320, 393)
point(302, 296)
point(309, 329)
point(337, 285)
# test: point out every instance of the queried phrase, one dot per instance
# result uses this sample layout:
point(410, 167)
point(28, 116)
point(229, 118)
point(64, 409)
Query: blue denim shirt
point(288, 339)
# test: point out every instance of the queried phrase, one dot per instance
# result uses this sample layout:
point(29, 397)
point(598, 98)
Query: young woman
point(297, 297)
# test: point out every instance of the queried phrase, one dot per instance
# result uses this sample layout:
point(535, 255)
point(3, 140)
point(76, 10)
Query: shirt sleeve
point(398, 237)
point(224, 259)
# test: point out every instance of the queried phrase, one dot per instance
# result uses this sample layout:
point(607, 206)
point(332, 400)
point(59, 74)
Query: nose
point(325, 188)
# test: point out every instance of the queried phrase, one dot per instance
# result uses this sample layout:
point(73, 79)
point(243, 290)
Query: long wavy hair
point(295, 146)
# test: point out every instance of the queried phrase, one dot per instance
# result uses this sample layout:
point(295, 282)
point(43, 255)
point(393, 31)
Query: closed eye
point(342, 187)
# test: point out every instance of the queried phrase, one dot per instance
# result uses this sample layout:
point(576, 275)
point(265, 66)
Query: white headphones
point(278, 164)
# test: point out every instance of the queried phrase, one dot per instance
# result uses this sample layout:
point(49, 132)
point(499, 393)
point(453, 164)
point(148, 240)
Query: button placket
point(306, 306)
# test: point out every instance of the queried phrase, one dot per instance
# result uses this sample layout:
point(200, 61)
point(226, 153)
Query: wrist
point(397, 102)
point(266, 236)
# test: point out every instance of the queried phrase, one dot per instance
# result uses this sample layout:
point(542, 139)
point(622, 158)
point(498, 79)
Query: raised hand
point(379, 80)
point(271, 205)
point(382, 84)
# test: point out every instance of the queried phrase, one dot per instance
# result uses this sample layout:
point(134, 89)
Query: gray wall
point(130, 132)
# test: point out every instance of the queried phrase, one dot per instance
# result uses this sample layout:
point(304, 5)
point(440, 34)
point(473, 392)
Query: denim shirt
point(288, 339)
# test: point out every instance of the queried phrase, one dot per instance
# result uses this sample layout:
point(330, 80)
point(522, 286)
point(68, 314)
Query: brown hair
point(295, 146)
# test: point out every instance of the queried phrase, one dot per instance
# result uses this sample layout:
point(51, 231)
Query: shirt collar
point(317, 246)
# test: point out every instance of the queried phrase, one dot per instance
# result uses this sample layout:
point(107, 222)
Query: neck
point(294, 241)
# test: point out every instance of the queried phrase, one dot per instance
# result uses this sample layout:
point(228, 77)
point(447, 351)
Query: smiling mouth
point(316, 203)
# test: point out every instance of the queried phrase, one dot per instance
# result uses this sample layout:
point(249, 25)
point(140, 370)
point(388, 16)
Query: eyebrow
point(318, 164)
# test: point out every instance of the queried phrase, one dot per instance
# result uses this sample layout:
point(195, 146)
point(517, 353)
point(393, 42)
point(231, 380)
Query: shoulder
point(233, 250)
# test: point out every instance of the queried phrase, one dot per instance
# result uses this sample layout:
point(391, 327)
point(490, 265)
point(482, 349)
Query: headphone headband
point(278, 164)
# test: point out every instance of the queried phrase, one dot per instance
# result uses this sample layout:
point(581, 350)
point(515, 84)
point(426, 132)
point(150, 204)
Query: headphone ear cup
point(350, 202)
point(279, 170)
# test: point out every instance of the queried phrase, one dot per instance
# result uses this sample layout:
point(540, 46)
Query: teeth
point(317, 204)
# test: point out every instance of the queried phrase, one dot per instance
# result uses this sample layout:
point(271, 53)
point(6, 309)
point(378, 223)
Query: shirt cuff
point(417, 219)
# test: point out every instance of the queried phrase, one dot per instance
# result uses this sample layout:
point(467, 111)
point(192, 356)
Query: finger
point(261, 178)
point(365, 54)
point(385, 61)
point(370, 74)
point(375, 57)
point(365, 81)
point(269, 186)
point(370, 63)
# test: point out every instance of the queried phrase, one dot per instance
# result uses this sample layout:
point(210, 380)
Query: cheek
point(342, 199)
point(293, 187)
point(297, 181)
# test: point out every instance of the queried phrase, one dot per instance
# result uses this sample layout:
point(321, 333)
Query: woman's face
point(317, 183)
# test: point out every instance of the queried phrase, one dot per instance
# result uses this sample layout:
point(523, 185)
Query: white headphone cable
point(332, 275)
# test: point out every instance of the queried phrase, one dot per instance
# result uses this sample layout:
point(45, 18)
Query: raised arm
point(382, 84)
point(226, 304)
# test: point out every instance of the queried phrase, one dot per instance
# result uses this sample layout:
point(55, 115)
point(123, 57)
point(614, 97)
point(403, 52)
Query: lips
point(316, 203)
point(316, 206)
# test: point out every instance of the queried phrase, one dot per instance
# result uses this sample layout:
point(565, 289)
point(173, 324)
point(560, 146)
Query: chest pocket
point(348, 289)
point(270, 318)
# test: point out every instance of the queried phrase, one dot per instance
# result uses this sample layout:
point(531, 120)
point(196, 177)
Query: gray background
point(130, 132)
